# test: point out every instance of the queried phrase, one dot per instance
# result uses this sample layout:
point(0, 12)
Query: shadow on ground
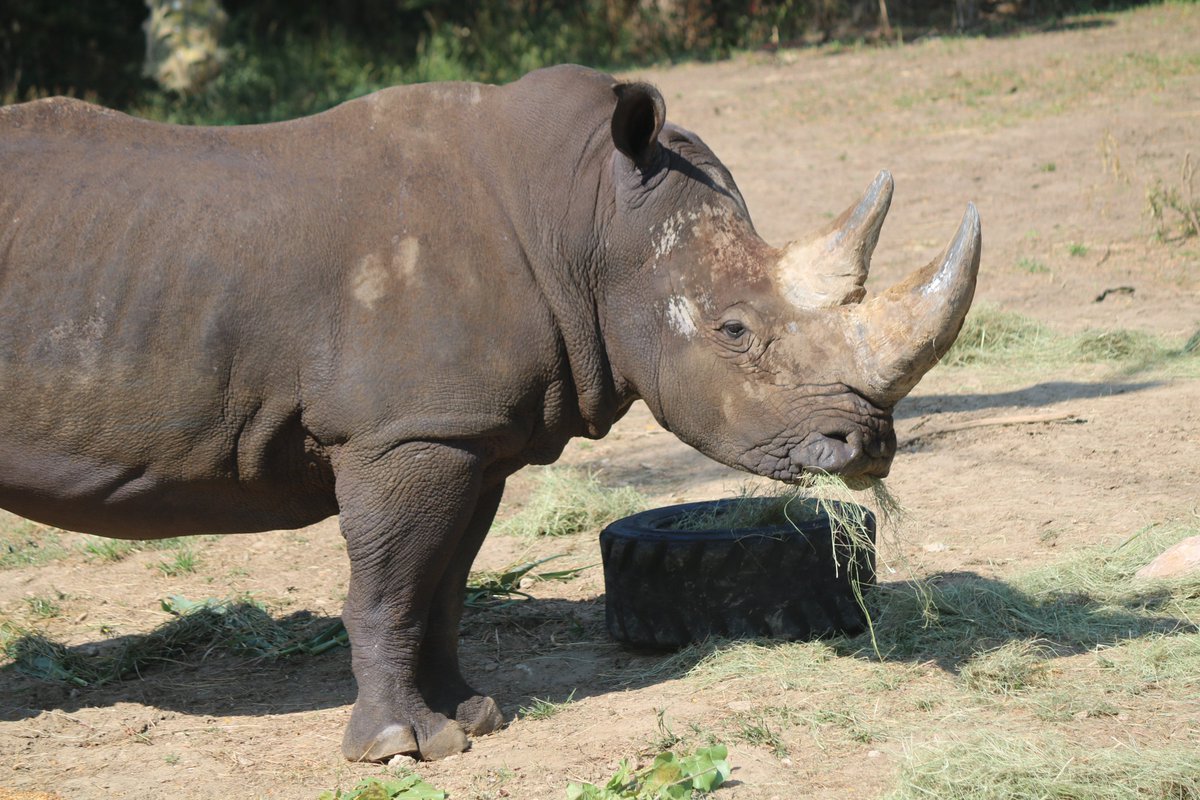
point(556, 649)
point(1040, 394)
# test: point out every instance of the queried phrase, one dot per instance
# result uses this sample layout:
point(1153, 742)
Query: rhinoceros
point(384, 310)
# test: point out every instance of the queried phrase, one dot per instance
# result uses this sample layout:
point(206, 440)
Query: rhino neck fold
point(556, 223)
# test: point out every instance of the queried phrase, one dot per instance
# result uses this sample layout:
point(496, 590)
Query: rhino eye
point(733, 329)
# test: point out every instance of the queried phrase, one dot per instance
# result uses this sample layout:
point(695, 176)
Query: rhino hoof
point(479, 715)
point(448, 740)
point(397, 739)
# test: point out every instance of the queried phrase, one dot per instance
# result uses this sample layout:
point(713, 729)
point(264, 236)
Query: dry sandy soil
point(1056, 136)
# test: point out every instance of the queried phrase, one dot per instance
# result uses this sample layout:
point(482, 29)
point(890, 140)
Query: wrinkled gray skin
point(382, 312)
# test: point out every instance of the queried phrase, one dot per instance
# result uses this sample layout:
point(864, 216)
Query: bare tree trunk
point(885, 23)
point(966, 14)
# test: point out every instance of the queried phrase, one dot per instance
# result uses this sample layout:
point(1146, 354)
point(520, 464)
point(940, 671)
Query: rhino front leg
point(403, 515)
point(440, 677)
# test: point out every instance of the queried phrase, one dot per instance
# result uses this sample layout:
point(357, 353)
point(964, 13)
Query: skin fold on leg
point(404, 514)
point(439, 676)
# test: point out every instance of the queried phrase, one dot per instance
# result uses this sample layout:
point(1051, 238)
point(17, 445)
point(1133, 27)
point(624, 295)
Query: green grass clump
point(1072, 606)
point(540, 708)
point(184, 562)
point(567, 501)
point(1175, 209)
point(240, 627)
point(751, 508)
point(105, 550)
point(1008, 669)
point(24, 543)
point(108, 551)
point(45, 607)
point(996, 767)
point(757, 731)
point(1032, 266)
point(991, 334)
point(789, 665)
point(1117, 345)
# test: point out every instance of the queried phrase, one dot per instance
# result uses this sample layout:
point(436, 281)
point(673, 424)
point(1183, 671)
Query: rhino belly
point(98, 490)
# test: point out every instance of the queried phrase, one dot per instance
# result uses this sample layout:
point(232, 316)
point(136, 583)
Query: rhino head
point(766, 359)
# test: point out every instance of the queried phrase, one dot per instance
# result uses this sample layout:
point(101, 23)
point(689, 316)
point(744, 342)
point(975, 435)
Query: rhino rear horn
point(830, 268)
point(900, 335)
point(637, 121)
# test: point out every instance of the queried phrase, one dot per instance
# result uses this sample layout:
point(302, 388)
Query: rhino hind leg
point(404, 514)
point(439, 675)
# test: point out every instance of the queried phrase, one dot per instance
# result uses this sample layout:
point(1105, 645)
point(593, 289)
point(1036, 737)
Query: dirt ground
point(1056, 136)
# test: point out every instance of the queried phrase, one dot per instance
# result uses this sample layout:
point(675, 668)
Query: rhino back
point(190, 318)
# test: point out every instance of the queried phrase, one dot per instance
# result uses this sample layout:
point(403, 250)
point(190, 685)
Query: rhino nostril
point(880, 448)
point(831, 452)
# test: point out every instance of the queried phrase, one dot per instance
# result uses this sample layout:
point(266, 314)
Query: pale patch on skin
point(85, 337)
point(668, 237)
point(680, 316)
point(369, 282)
point(404, 262)
point(381, 107)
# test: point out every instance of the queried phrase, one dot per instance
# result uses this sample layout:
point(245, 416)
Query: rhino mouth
point(858, 454)
point(849, 450)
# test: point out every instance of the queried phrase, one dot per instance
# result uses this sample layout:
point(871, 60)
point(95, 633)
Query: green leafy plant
point(487, 589)
point(405, 787)
point(669, 777)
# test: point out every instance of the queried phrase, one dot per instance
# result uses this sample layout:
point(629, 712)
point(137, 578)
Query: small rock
point(740, 705)
point(874, 753)
point(1180, 560)
point(936, 547)
point(401, 761)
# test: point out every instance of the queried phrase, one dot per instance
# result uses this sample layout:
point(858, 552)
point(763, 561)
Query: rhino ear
point(637, 120)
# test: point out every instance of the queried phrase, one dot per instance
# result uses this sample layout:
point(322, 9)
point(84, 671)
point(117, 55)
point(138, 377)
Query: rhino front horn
point(902, 333)
point(830, 268)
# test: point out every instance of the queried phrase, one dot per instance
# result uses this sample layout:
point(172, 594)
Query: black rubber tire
point(666, 588)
